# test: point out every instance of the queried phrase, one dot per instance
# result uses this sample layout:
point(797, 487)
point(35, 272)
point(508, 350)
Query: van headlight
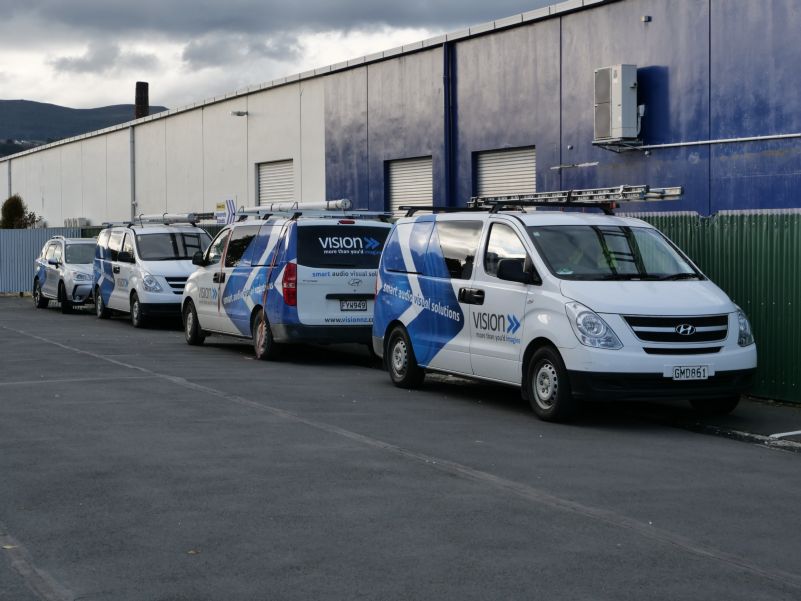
point(150, 283)
point(81, 277)
point(744, 337)
point(590, 329)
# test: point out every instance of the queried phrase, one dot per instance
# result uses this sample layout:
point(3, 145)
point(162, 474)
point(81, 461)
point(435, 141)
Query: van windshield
point(341, 246)
point(593, 252)
point(80, 254)
point(171, 246)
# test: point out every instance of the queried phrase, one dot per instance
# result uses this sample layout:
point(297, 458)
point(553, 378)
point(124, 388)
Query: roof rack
point(605, 199)
point(412, 209)
point(327, 208)
point(166, 219)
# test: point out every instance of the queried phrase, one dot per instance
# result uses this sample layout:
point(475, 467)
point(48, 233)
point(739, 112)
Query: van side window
point(127, 245)
point(57, 252)
point(215, 252)
point(114, 244)
point(458, 241)
point(417, 235)
point(503, 243)
point(49, 252)
point(102, 244)
point(241, 238)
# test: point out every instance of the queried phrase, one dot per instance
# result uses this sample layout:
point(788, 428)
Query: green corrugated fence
point(755, 256)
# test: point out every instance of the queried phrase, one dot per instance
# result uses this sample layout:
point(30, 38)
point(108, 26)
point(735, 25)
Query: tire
point(715, 407)
point(137, 319)
point(192, 332)
point(101, 310)
point(66, 305)
point(39, 300)
point(548, 387)
point(264, 346)
point(401, 362)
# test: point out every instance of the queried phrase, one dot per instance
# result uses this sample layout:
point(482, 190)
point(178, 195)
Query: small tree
point(15, 215)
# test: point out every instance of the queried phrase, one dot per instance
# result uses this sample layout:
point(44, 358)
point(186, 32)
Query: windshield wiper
point(681, 276)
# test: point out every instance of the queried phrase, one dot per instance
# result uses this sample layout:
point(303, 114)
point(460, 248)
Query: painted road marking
point(785, 434)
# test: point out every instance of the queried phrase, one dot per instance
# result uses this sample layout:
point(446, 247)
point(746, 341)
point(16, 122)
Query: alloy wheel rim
point(190, 322)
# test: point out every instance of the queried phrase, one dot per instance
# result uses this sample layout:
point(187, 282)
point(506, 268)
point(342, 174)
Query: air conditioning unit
point(617, 116)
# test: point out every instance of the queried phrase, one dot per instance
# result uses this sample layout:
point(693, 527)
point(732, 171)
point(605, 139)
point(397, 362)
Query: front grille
point(708, 328)
point(177, 284)
point(696, 350)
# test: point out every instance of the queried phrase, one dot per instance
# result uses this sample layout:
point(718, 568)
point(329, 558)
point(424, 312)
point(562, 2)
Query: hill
point(40, 122)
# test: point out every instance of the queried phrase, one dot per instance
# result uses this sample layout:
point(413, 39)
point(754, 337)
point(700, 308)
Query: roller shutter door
point(409, 182)
point(504, 172)
point(276, 182)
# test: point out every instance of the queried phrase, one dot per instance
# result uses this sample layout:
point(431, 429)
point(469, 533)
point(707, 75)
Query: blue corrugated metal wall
point(707, 69)
point(19, 249)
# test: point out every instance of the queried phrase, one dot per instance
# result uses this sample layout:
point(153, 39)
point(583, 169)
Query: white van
point(281, 278)
point(140, 268)
point(569, 306)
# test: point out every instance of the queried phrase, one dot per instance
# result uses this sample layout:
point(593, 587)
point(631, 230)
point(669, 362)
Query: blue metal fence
point(19, 249)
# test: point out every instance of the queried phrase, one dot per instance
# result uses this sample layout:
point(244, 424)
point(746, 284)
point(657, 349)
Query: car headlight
point(590, 329)
point(744, 337)
point(150, 283)
point(81, 277)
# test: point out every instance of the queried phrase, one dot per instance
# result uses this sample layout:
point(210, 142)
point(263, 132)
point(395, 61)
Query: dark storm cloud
point(101, 57)
point(218, 48)
point(197, 17)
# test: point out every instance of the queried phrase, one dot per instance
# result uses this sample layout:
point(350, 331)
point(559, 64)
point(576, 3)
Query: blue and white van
point(140, 268)
point(278, 278)
point(568, 306)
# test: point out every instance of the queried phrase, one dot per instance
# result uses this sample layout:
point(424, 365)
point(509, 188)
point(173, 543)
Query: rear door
point(337, 264)
point(236, 285)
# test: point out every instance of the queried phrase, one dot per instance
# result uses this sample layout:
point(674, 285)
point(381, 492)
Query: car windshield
point(80, 254)
point(171, 246)
point(593, 252)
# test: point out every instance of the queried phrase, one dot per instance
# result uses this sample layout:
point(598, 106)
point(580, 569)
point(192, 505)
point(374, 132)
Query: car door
point(119, 293)
point(496, 323)
point(235, 281)
point(49, 277)
point(207, 278)
point(445, 294)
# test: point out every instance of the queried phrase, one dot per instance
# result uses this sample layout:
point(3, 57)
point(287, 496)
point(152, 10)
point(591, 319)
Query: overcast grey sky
point(88, 53)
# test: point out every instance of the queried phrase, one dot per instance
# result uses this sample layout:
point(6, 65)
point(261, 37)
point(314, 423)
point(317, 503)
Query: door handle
point(471, 296)
point(218, 278)
point(115, 269)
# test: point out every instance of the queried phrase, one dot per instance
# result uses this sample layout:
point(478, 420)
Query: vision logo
point(207, 295)
point(341, 243)
point(371, 243)
point(496, 322)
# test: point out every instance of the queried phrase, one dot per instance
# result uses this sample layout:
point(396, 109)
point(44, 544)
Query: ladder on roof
point(605, 199)
point(293, 210)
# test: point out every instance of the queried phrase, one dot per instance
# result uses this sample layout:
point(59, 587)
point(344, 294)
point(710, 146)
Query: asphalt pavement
point(135, 467)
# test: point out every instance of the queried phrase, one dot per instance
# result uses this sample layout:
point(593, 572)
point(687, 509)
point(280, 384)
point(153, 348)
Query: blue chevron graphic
point(514, 324)
point(371, 243)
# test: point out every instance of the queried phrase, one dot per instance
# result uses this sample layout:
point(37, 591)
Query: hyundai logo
point(685, 329)
point(355, 283)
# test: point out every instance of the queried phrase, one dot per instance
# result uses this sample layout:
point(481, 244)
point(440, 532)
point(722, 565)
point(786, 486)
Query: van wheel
point(100, 307)
point(549, 387)
point(137, 319)
point(39, 300)
point(403, 369)
point(66, 305)
point(264, 346)
point(194, 335)
point(715, 407)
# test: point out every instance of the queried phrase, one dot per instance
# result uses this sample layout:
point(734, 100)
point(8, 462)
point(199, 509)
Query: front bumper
point(298, 333)
point(81, 293)
point(653, 386)
point(160, 309)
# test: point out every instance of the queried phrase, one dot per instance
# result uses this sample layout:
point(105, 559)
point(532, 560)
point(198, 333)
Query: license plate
point(689, 372)
point(353, 305)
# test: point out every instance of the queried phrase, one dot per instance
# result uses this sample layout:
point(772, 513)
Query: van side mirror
point(197, 259)
point(52, 262)
point(125, 257)
point(514, 270)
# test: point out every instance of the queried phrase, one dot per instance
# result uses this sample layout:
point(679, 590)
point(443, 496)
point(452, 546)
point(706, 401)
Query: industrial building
point(533, 102)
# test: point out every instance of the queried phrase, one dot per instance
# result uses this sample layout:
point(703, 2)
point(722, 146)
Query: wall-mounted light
point(239, 113)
